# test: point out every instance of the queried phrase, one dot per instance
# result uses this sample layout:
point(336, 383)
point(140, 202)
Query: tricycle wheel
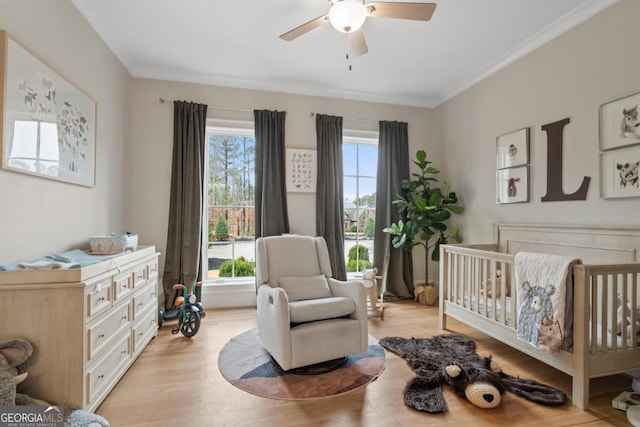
point(191, 324)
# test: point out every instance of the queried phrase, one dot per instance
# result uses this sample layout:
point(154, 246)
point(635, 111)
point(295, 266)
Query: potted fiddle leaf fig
point(427, 207)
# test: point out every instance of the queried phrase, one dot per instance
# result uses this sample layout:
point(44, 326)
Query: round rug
point(246, 364)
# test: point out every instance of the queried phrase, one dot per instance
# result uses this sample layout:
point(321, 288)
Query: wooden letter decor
point(554, 166)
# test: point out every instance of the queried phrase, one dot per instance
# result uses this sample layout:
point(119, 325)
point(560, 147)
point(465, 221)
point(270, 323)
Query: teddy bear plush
point(451, 359)
point(14, 353)
point(629, 322)
point(497, 289)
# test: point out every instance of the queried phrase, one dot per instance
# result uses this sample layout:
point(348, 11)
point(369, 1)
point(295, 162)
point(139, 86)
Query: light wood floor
point(176, 382)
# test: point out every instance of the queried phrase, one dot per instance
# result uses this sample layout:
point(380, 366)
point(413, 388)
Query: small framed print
point(301, 170)
point(619, 173)
point(512, 185)
point(620, 123)
point(512, 149)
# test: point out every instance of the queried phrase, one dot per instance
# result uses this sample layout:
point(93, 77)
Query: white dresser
point(87, 325)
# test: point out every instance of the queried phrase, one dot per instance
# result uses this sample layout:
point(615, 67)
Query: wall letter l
point(554, 166)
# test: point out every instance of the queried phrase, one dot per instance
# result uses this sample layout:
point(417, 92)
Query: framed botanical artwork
point(301, 170)
point(512, 185)
point(620, 123)
point(48, 124)
point(512, 149)
point(619, 173)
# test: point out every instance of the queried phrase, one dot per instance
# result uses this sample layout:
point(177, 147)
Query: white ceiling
point(235, 43)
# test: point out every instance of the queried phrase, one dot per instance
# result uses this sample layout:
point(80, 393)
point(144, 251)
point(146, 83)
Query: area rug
point(245, 363)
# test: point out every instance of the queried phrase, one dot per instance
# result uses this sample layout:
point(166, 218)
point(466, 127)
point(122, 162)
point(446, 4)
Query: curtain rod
point(352, 119)
point(219, 107)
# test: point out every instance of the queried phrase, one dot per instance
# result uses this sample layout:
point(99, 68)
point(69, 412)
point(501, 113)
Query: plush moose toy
point(452, 359)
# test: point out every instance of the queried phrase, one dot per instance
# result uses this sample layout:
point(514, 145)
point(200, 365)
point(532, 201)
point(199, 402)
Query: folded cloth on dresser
point(544, 290)
point(46, 265)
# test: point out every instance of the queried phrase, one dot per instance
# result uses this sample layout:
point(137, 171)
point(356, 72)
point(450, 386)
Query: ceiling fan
point(348, 16)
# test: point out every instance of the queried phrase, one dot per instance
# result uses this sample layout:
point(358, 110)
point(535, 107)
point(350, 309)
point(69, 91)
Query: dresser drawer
point(99, 297)
point(152, 269)
point(122, 284)
point(111, 366)
point(106, 330)
point(146, 326)
point(139, 276)
point(145, 298)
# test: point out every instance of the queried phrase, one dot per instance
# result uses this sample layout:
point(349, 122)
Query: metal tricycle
point(189, 311)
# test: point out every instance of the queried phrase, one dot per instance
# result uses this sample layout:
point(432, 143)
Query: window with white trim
point(230, 212)
point(360, 164)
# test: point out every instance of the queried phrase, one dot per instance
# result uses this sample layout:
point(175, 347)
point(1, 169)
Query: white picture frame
point(512, 149)
point(620, 123)
point(301, 170)
point(619, 173)
point(512, 185)
point(48, 125)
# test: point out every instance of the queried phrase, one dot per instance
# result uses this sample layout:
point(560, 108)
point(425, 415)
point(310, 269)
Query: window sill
point(221, 285)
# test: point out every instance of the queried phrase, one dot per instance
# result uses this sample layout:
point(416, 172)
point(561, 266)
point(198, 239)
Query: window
point(230, 212)
point(360, 164)
point(38, 150)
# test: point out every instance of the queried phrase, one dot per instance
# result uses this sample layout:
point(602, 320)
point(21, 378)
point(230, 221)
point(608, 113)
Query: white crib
point(605, 341)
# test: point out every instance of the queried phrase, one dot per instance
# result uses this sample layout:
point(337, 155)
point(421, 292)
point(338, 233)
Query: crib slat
point(603, 324)
point(595, 283)
point(634, 310)
point(625, 314)
point(612, 312)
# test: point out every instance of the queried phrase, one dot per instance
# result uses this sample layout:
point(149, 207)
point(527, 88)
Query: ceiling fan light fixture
point(347, 16)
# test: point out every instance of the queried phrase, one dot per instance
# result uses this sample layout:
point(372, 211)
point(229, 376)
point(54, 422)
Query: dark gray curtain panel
point(329, 191)
point(393, 166)
point(184, 235)
point(272, 217)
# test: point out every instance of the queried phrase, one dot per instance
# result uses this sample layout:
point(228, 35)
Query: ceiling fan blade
point(403, 10)
point(358, 43)
point(305, 28)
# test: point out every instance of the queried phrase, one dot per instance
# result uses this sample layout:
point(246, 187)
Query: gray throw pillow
point(303, 288)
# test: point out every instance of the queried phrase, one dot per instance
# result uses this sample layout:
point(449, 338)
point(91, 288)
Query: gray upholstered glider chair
point(304, 316)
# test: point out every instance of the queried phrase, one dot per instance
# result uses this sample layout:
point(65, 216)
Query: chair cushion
point(320, 309)
point(304, 288)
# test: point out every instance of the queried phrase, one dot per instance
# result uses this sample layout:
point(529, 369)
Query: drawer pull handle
point(100, 336)
point(98, 289)
point(123, 352)
point(140, 304)
point(124, 317)
point(101, 299)
point(140, 334)
point(100, 377)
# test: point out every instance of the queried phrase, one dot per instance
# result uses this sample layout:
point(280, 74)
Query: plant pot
point(426, 294)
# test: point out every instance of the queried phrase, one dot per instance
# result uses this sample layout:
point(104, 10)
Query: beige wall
point(569, 77)
point(153, 133)
point(39, 216)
